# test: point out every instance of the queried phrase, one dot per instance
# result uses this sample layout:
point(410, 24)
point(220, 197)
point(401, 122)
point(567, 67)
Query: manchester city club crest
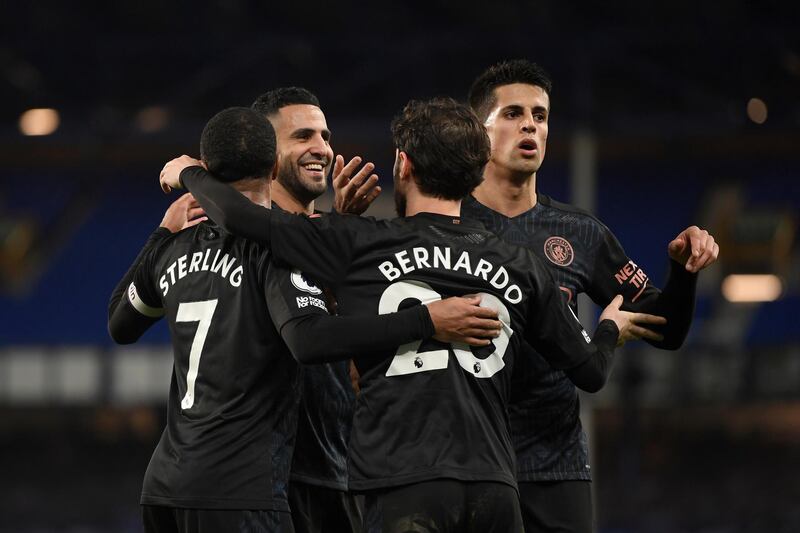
point(559, 251)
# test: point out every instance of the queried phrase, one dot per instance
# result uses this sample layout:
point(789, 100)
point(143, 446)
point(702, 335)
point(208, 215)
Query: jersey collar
point(447, 220)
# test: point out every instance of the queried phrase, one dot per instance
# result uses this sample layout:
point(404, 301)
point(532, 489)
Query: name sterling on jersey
point(199, 263)
point(419, 257)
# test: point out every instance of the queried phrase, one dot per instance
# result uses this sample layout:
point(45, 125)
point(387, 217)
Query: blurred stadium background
point(662, 116)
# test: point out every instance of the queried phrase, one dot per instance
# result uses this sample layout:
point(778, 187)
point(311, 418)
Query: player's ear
point(274, 173)
point(406, 165)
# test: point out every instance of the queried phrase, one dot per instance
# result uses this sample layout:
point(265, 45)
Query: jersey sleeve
point(615, 273)
point(555, 332)
point(299, 312)
point(122, 286)
point(135, 304)
point(315, 245)
point(291, 294)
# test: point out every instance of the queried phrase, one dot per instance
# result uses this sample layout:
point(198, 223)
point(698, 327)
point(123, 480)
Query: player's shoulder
point(208, 235)
point(566, 211)
point(346, 220)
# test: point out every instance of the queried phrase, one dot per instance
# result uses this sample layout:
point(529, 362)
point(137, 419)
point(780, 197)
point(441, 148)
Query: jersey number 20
point(408, 360)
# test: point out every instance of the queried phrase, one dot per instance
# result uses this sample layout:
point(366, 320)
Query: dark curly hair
point(238, 143)
point(481, 94)
point(270, 102)
point(446, 143)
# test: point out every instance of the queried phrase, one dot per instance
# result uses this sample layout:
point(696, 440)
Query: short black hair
point(270, 102)
point(446, 143)
point(481, 94)
point(238, 143)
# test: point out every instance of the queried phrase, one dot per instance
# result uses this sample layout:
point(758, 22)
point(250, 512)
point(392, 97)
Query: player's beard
point(289, 177)
point(399, 196)
point(399, 203)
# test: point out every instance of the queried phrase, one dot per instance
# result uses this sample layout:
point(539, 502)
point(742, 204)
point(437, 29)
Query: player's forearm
point(122, 286)
point(676, 304)
point(324, 338)
point(226, 206)
point(126, 324)
point(592, 374)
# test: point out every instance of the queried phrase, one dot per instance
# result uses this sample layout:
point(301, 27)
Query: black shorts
point(322, 510)
point(158, 519)
point(444, 505)
point(557, 506)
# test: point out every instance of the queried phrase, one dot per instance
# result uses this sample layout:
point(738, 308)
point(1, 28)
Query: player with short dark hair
point(426, 131)
point(512, 99)
point(222, 463)
point(271, 102)
point(430, 446)
point(223, 459)
point(318, 493)
point(482, 97)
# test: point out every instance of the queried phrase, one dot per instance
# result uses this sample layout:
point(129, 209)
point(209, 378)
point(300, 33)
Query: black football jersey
point(583, 256)
point(232, 408)
point(323, 426)
point(429, 410)
point(324, 420)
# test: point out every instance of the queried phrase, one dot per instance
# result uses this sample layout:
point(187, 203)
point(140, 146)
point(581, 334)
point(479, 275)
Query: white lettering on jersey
point(483, 269)
point(463, 263)
point(305, 301)
point(198, 264)
point(421, 257)
point(404, 261)
point(236, 276)
point(194, 266)
point(204, 268)
point(439, 257)
point(389, 271)
point(182, 267)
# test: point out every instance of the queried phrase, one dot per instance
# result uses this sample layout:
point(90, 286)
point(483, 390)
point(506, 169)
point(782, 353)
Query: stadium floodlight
point(757, 110)
point(752, 288)
point(152, 119)
point(39, 121)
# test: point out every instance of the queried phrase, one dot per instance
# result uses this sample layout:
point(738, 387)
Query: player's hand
point(170, 177)
point(353, 194)
point(183, 213)
point(462, 319)
point(630, 325)
point(694, 248)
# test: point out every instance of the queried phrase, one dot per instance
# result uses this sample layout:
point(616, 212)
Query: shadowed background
point(662, 116)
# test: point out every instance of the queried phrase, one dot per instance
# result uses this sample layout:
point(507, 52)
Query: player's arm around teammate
point(454, 318)
point(588, 369)
point(183, 213)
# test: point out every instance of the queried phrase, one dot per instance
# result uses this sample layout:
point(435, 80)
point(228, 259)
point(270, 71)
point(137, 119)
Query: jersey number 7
point(201, 312)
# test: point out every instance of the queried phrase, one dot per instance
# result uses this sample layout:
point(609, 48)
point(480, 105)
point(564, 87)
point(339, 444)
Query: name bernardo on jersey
point(199, 262)
point(407, 261)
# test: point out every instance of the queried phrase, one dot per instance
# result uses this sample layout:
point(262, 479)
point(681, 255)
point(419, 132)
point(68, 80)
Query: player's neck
point(289, 203)
point(418, 203)
point(506, 193)
point(256, 190)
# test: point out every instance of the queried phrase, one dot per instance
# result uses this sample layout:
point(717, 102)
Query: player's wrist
point(426, 321)
point(607, 333)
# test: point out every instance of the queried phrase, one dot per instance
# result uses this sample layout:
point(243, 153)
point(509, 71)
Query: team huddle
point(334, 372)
